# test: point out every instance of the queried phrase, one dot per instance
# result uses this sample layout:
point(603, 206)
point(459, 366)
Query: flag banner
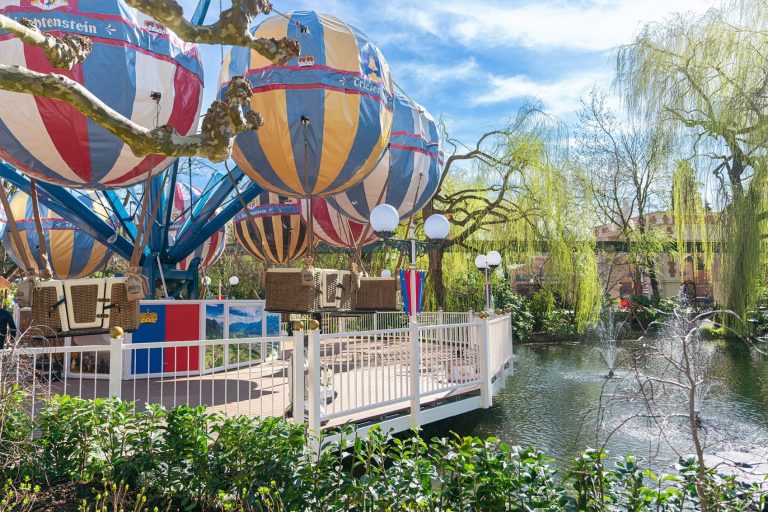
point(405, 287)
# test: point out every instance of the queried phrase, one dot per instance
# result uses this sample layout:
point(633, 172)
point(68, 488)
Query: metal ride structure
point(220, 200)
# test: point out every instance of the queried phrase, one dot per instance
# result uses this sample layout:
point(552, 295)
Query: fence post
point(315, 391)
point(298, 369)
point(486, 378)
point(512, 346)
point(375, 321)
point(415, 374)
point(440, 317)
point(116, 336)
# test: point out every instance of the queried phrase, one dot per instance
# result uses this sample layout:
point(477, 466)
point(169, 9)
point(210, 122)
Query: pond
point(551, 401)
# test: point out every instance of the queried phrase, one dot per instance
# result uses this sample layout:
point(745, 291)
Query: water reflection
point(551, 401)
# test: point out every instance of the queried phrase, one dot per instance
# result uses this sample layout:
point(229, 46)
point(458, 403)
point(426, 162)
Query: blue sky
point(474, 62)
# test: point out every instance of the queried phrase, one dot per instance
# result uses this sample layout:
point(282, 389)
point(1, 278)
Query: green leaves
point(189, 459)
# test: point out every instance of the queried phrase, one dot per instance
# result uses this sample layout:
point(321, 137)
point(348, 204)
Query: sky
point(473, 63)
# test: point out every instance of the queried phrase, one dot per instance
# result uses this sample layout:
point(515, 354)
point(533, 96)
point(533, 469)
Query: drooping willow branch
point(62, 52)
point(232, 28)
point(223, 121)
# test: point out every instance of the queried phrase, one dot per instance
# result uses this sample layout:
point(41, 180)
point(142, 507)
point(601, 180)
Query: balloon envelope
point(185, 200)
point(276, 234)
point(407, 175)
point(72, 253)
point(133, 57)
point(333, 228)
point(328, 113)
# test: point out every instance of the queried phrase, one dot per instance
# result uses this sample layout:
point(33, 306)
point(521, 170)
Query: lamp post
point(384, 221)
point(233, 281)
point(487, 263)
point(206, 283)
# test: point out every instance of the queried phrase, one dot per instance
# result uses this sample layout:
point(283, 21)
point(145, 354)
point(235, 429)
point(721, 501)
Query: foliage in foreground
point(187, 459)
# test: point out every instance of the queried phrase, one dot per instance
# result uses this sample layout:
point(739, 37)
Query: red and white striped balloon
point(333, 228)
point(184, 202)
point(137, 67)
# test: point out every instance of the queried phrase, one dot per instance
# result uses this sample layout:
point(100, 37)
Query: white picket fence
point(401, 376)
point(335, 323)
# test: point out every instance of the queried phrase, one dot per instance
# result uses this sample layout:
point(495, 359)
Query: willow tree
point(623, 170)
point(511, 192)
point(704, 80)
point(479, 184)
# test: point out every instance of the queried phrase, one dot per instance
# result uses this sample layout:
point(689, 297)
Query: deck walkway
point(362, 378)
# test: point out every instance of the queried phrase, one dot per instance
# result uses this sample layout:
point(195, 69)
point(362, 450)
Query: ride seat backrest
point(85, 303)
point(118, 310)
point(49, 311)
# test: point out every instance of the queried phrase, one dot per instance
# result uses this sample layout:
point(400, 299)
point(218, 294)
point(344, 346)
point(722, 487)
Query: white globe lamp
point(384, 220)
point(481, 262)
point(386, 273)
point(207, 281)
point(234, 281)
point(437, 227)
point(493, 259)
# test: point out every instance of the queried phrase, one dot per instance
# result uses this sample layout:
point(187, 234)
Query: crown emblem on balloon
point(372, 70)
point(49, 4)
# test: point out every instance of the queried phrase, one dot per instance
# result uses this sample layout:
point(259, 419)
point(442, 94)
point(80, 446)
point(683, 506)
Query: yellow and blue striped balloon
point(328, 113)
point(72, 252)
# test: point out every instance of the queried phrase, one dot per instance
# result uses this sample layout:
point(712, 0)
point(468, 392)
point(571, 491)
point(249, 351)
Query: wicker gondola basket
point(375, 294)
point(82, 306)
point(290, 290)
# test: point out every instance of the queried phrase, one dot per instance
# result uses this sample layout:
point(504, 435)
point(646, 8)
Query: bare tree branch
point(224, 120)
point(62, 52)
point(232, 28)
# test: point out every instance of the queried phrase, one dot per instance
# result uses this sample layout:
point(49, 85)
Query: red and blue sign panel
point(405, 286)
point(169, 323)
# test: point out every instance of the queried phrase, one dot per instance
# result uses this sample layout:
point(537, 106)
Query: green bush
point(560, 324)
point(542, 303)
point(189, 459)
point(15, 430)
point(522, 318)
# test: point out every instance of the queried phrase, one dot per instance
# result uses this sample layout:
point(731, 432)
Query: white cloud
point(588, 25)
point(427, 73)
point(560, 97)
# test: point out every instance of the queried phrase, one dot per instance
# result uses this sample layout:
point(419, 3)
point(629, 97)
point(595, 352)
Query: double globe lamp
point(487, 263)
point(384, 220)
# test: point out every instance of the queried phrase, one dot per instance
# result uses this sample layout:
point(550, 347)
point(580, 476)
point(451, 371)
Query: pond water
point(551, 401)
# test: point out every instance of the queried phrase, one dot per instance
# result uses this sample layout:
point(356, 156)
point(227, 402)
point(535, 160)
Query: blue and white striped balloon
point(328, 112)
point(408, 174)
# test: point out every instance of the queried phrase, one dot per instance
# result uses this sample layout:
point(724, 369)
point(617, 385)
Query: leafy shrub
point(15, 430)
point(559, 324)
point(542, 303)
point(522, 318)
point(189, 459)
point(711, 331)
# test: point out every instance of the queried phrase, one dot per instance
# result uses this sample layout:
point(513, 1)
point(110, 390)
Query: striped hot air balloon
point(71, 252)
point(408, 174)
point(137, 67)
point(333, 228)
point(185, 200)
point(279, 235)
point(328, 113)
